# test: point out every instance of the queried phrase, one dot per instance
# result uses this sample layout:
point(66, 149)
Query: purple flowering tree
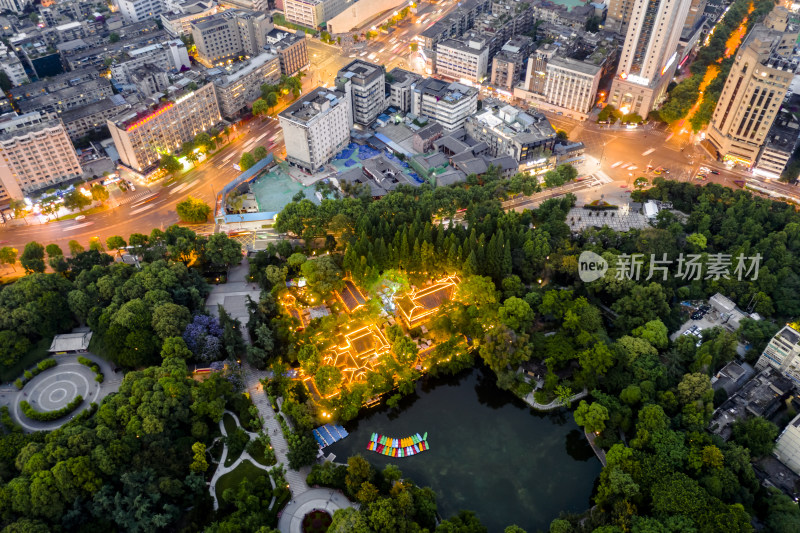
point(203, 336)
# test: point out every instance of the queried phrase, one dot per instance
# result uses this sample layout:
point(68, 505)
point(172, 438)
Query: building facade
point(619, 14)
point(316, 128)
point(141, 136)
point(92, 118)
point(35, 152)
point(179, 21)
point(312, 13)
point(787, 447)
point(139, 10)
point(755, 88)
point(449, 104)
point(291, 49)
point(367, 89)
point(571, 84)
point(649, 55)
point(462, 60)
point(783, 354)
point(169, 56)
point(237, 91)
point(230, 34)
point(401, 84)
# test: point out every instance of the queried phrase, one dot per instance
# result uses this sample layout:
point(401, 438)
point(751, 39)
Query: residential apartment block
point(449, 104)
point(508, 65)
point(783, 354)
point(142, 135)
point(35, 152)
point(291, 49)
point(755, 88)
point(178, 21)
point(462, 60)
point(92, 118)
point(316, 127)
point(367, 89)
point(169, 56)
point(230, 34)
point(139, 10)
point(401, 88)
point(571, 84)
point(236, 91)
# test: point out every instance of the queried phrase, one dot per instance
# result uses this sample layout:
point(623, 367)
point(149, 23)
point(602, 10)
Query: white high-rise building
point(787, 447)
point(15, 6)
point(649, 55)
point(783, 354)
point(449, 104)
point(317, 127)
point(367, 89)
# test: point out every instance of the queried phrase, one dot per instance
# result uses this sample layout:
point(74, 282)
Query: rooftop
point(401, 77)
point(361, 71)
point(105, 104)
point(575, 65)
point(442, 90)
point(312, 104)
point(244, 68)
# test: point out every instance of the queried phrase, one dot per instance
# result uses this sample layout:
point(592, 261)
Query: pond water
point(489, 452)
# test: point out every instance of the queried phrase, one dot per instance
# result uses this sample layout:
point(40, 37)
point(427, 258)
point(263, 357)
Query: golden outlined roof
point(420, 304)
point(357, 352)
point(351, 296)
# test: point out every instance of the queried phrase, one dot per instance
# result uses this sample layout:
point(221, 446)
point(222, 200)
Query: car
point(80, 217)
point(715, 172)
point(130, 184)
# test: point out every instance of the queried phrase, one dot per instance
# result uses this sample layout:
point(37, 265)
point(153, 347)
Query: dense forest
point(130, 463)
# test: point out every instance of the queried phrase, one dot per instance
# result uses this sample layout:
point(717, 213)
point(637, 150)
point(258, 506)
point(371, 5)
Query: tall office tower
point(757, 83)
point(696, 10)
point(649, 55)
point(618, 15)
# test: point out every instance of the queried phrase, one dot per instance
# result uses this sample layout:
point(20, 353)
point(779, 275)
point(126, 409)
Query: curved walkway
point(56, 386)
point(222, 469)
point(330, 500)
point(555, 404)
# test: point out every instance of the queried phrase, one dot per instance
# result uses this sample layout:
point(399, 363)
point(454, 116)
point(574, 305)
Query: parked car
point(715, 172)
point(80, 217)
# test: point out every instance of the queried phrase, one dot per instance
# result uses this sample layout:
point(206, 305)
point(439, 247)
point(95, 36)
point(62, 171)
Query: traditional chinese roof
point(357, 352)
point(351, 296)
point(420, 304)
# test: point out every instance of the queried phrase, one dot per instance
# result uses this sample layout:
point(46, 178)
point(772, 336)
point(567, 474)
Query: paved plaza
point(56, 387)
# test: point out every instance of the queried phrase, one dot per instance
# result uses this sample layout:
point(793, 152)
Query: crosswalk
point(132, 197)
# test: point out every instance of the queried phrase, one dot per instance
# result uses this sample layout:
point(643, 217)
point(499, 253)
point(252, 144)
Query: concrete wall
point(360, 12)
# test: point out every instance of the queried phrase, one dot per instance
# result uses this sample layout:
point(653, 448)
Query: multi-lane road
point(621, 153)
point(153, 206)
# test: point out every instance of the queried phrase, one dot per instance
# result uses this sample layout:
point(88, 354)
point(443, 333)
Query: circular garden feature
point(316, 522)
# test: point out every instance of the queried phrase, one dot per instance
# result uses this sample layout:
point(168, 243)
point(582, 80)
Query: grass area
point(230, 423)
point(246, 470)
point(36, 354)
point(90, 211)
point(257, 452)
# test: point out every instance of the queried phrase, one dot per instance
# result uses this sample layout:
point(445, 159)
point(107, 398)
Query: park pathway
point(555, 404)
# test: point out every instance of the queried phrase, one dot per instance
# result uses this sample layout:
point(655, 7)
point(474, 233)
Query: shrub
point(99, 378)
point(19, 384)
point(85, 361)
point(47, 363)
point(28, 375)
point(48, 416)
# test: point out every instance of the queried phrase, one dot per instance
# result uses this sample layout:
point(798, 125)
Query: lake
point(489, 451)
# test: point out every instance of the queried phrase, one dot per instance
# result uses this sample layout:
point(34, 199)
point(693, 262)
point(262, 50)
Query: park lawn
point(37, 353)
point(245, 470)
point(230, 423)
point(259, 456)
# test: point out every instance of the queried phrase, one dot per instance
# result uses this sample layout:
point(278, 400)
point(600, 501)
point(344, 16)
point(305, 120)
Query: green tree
point(115, 242)
point(5, 82)
point(75, 199)
point(8, 256)
point(323, 275)
point(221, 250)
point(328, 379)
point(756, 434)
point(247, 161)
point(260, 107)
point(271, 99)
point(169, 319)
point(114, 37)
point(199, 461)
point(592, 417)
point(32, 258)
point(259, 153)
point(170, 164)
point(193, 210)
point(74, 247)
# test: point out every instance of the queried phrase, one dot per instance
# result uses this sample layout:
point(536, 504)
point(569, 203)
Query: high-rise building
point(401, 83)
point(571, 84)
point(449, 104)
point(756, 85)
point(316, 127)
point(367, 90)
point(291, 49)
point(143, 134)
point(15, 6)
point(783, 354)
point(618, 15)
point(696, 10)
point(35, 152)
point(649, 55)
